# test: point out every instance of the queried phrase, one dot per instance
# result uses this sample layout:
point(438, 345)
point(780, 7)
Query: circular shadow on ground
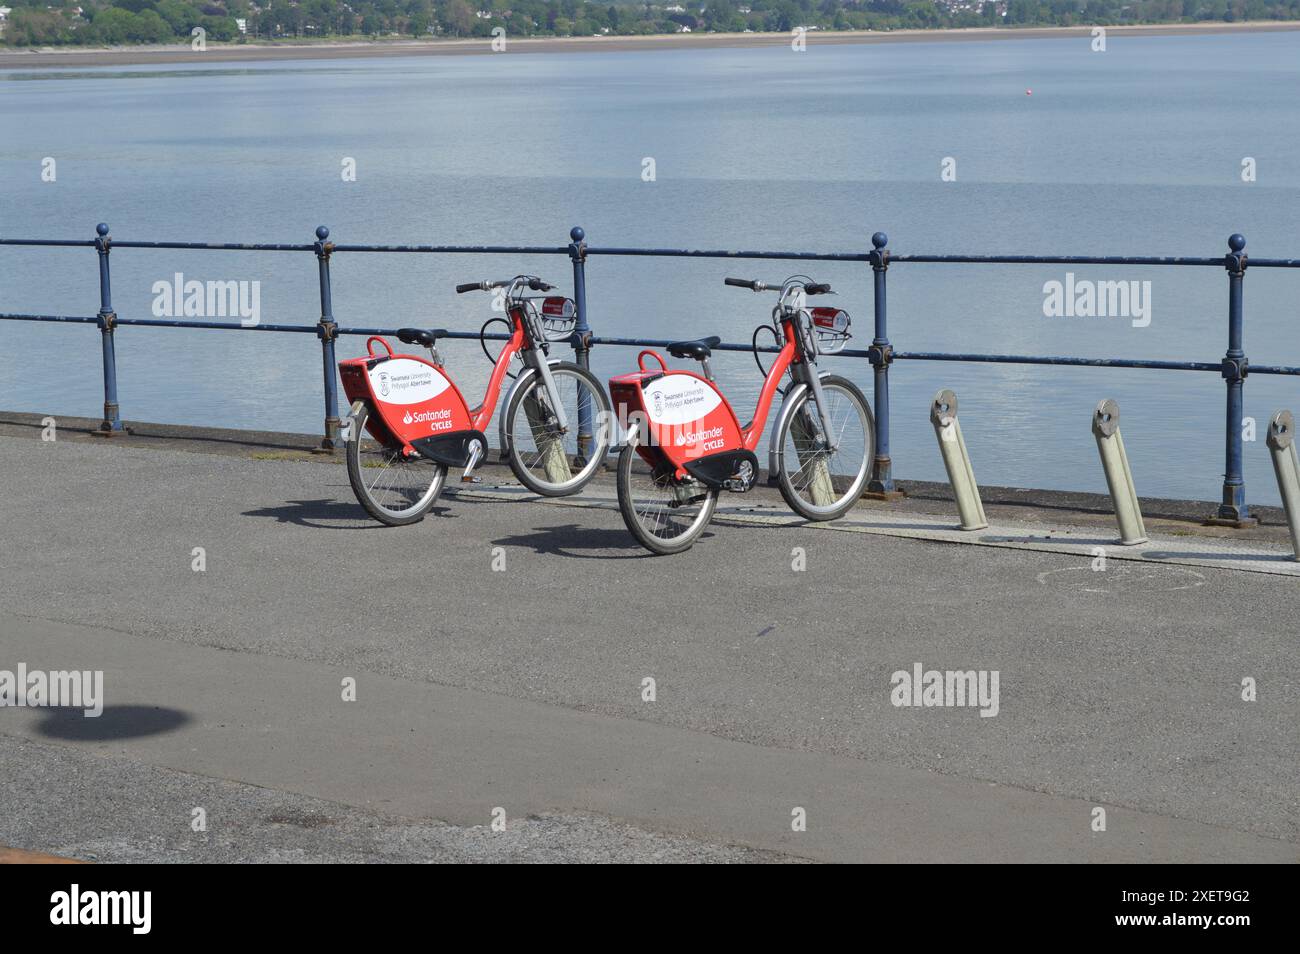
point(115, 722)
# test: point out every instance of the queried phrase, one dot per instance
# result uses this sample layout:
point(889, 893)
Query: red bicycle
point(409, 422)
point(684, 444)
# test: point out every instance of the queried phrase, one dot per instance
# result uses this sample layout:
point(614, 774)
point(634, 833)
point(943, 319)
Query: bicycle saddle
point(699, 349)
point(421, 336)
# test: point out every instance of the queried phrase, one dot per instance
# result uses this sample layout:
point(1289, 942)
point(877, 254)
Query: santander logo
point(407, 419)
point(694, 437)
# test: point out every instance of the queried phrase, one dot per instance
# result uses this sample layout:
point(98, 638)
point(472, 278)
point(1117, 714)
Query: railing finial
point(577, 234)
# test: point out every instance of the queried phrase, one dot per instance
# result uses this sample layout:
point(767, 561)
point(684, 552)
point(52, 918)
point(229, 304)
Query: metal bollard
point(1281, 444)
point(943, 415)
point(1105, 427)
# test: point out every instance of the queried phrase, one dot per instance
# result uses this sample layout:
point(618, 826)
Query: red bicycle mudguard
point(412, 398)
point(679, 415)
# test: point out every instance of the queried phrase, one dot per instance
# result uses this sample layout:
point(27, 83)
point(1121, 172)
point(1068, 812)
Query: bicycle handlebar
point(534, 284)
point(810, 288)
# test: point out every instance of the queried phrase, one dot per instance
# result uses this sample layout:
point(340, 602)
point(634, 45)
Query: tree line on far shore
point(112, 22)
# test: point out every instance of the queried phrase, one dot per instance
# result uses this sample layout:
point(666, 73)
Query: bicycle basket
point(832, 328)
point(558, 318)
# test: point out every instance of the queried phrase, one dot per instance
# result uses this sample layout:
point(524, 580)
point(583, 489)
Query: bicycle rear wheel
point(664, 514)
point(394, 489)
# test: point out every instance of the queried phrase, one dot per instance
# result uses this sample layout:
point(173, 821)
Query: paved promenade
point(522, 690)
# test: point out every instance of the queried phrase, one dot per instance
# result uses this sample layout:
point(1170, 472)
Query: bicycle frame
point(688, 421)
point(803, 370)
point(798, 355)
point(432, 419)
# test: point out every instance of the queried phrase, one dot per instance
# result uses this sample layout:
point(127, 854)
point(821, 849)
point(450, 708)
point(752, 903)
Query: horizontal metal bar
point(218, 246)
point(70, 243)
point(725, 346)
point(74, 318)
point(217, 325)
point(1055, 260)
point(460, 249)
point(674, 253)
point(1216, 366)
point(719, 253)
point(666, 342)
point(457, 335)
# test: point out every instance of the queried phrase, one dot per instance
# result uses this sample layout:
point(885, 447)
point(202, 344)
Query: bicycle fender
point(775, 452)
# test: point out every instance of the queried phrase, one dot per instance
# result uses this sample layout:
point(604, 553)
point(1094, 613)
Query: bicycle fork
point(814, 382)
point(536, 359)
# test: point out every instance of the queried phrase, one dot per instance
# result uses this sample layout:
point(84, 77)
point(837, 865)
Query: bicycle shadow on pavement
point(579, 542)
point(328, 514)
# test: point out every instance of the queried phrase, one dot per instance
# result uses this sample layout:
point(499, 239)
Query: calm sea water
point(1137, 150)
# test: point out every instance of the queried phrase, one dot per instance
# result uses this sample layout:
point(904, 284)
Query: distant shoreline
point(50, 57)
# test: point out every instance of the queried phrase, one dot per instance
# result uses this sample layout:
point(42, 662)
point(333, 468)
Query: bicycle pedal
point(742, 480)
point(470, 479)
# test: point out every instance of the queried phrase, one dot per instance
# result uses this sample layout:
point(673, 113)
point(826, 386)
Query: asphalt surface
point(522, 689)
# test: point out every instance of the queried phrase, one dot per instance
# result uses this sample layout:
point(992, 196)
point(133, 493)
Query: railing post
point(581, 335)
point(881, 354)
point(327, 331)
point(1233, 511)
point(107, 319)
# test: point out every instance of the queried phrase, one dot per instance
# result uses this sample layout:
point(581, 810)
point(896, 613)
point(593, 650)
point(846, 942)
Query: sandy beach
point(323, 50)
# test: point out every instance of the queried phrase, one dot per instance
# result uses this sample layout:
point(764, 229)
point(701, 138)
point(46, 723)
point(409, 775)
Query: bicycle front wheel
point(394, 489)
point(547, 461)
point(821, 476)
point(665, 515)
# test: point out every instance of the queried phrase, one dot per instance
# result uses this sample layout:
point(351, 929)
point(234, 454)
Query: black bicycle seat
point(421, 336)
point(699, 349)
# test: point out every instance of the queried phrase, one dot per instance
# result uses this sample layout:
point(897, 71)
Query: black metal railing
point(1234, 366)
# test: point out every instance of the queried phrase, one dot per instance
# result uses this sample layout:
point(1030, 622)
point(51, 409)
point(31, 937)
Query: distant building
point(4, 15)
point(242, 24)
